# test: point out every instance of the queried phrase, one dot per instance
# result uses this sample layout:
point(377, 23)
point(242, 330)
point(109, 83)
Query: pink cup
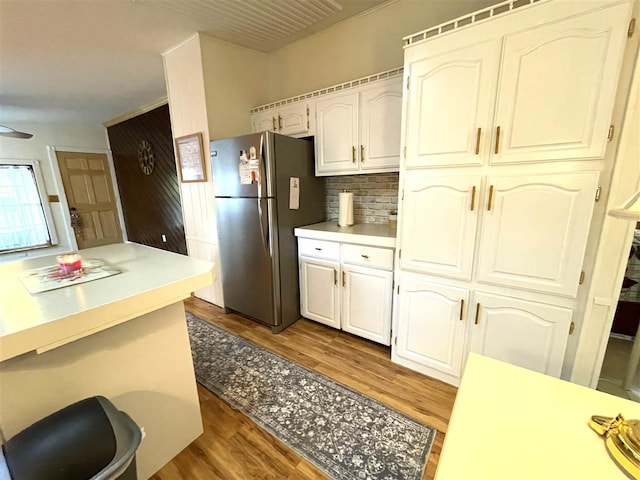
point(69, 263)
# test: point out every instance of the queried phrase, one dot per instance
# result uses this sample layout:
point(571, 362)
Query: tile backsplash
point(373, 196)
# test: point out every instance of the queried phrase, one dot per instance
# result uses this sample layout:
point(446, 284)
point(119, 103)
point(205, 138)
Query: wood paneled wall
point(150, 203)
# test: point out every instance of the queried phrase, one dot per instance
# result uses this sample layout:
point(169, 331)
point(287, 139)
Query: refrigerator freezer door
point(226, 161)
point(245, 259)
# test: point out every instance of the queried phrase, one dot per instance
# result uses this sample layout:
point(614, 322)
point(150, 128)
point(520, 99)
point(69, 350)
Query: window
point(25, 218)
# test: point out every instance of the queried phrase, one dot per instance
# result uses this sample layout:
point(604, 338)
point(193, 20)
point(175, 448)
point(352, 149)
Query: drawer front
point(367, 256)
point(318, 248)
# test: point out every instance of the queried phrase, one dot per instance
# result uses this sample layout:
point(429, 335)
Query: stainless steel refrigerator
point(255, 178)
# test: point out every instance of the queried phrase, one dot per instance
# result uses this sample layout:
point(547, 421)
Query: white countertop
point(151, 279)
point(374, 234)
point(509, 423)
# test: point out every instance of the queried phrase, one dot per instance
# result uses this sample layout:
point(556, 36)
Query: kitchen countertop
point(508, 422)
point(374, 234)
point(151, 279)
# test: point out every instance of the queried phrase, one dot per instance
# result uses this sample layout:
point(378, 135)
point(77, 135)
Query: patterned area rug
point(347, 435)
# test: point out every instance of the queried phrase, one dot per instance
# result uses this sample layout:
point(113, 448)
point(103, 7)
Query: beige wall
point(211, 86)
point(235, 81)
point(58, 134)
point(367, 44)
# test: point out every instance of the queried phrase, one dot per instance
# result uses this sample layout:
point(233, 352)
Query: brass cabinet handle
point(279, 122)
point(477, 312)
point(273, 120)
point(353, 154)
point(478, 140)
point(497, 139)
point(335, 276)
point(362, 153)
point(364, 256)
point(319, 249)
point(344, 279)
point(473, 197)
point(490, 198)
point(461, 307)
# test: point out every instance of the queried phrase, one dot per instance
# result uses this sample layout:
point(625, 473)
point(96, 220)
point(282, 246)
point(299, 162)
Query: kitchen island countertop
point(374, 234)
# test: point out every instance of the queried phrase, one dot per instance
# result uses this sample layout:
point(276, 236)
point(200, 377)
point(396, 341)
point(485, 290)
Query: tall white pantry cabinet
point(505, 125)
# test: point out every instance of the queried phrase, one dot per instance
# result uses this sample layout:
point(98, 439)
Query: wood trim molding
point(134, 113)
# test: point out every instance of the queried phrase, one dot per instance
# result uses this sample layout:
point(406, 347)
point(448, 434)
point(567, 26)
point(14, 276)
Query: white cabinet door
point(438, 224)
point(294, 119)
point(380, 122)
point(452, 128)
point(366, 302)
point(337, 134)
point(431, 325)
point(534, 231)
point(528, 334)
point(319, 291)
point(263, 121)
point(558, 85)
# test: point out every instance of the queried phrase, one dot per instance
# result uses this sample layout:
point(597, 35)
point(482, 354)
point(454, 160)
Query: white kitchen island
point(512, 423)
point(123, 337)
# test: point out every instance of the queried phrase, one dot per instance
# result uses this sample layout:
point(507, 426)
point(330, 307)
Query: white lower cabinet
point(431, 328)
point(366, 303)
point(319, 292)
point(347, 286)
point(531, 335)
point(437, 328)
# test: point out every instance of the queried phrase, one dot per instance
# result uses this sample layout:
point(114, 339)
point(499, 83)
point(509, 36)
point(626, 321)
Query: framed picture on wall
point(191, 158)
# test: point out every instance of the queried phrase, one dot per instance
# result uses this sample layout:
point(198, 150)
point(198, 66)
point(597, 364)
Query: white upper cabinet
point(534, 231)
point(432, 326)
point(439, 218)
point(450, 106)
point(264, 121)
point(360, 132)
point(550, 97)
point(557, 88)
point(294, 120)
point(337, 134)
point(380, 124)
point(528, 334)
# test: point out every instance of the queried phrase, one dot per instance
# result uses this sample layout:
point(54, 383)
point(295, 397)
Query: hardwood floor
point(232, 447)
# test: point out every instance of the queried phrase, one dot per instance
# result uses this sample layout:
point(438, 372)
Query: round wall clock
point(145, 157)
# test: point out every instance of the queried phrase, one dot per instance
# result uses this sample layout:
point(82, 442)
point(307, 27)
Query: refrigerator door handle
point(263, 238)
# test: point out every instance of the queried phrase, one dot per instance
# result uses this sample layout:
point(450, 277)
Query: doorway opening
point(620, 375)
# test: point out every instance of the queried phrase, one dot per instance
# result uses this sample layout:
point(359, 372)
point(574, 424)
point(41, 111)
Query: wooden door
point(534, 231)
point(431, 326)
point(366, 302)
point(294, 119)
point(528, 334)
point(438, 224)
point(88, 187)
point(450, 106)
point(380, 123)
point(319, 291)
point(557, 88)
point(337, 134)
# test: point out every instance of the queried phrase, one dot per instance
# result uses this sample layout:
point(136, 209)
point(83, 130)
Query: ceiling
point(94, 60)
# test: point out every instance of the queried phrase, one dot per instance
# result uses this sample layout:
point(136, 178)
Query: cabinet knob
point(344, 279)
point(318, 249)
point(279, 122)
point(273, 120)
point(478, 135)
point(353, 154)
point(477, 313)
point(364, 256)
point(362, 153)
point(497, 140)
point(335, 276)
